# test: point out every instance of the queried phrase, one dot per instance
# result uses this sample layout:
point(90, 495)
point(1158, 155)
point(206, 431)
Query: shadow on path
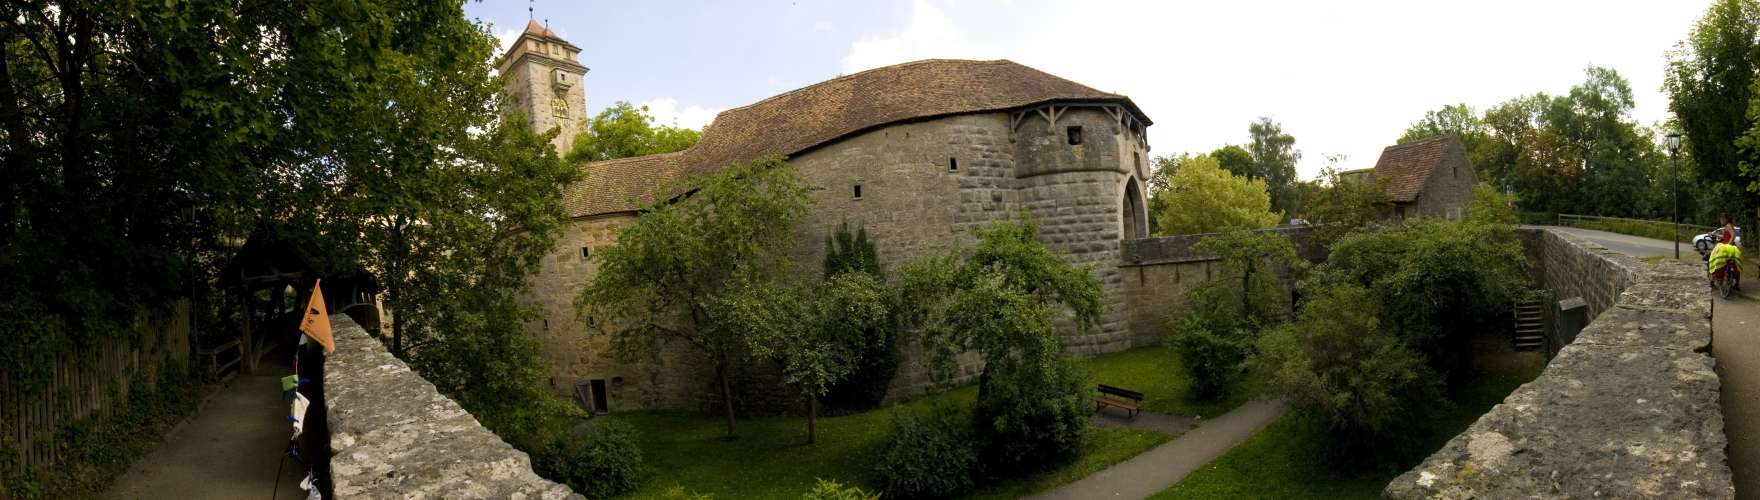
point(228, 450)
point(1160, 468)
point(1735, 327)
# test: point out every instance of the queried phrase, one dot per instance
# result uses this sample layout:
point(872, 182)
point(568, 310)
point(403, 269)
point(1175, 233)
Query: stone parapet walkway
point(1162, 467)
point(228, 450)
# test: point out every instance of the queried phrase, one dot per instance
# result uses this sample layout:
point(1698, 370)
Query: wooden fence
point(90, 383)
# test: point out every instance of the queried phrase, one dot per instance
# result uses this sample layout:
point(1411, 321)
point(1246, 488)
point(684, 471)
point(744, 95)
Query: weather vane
point(531, 13)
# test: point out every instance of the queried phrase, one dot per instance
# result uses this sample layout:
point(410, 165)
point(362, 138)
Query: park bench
point(1115, 397)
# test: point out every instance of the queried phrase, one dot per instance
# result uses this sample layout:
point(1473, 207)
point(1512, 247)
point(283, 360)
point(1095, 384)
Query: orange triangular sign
point(316, 323)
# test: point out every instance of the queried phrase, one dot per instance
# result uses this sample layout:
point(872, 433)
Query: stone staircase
point(1530, 325)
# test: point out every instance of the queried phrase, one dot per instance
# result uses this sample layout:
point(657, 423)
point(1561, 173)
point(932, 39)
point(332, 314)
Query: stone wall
point(925, 186)
point(1629, 409)
point(394, 436)
point(1156, 272)
point(1449, 187)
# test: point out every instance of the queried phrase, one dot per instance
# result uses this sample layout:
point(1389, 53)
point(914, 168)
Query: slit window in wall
point(953, 164)
point(586, 252)
point(856, 192)
point(1075, 135)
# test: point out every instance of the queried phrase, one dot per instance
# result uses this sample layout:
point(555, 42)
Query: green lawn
point(1156, 371)
point(1278, 461)
point(772, 460)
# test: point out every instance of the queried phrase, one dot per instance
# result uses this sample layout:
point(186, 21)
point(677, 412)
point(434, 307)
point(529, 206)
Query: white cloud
point(930, 34)
point(824, 27)
point(667, 112)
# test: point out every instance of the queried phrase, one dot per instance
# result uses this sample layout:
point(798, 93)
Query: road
point(1635, 246)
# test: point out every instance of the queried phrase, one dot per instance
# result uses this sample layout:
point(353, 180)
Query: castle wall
point(914, 204)
point(1075, 193)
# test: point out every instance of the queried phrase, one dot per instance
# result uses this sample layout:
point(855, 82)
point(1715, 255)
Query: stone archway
point(1133, 213)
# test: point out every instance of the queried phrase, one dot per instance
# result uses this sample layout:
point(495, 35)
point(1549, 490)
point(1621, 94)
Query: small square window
point(858, 191)
point(586, 252)
point(953, 164)
point(1075, 135)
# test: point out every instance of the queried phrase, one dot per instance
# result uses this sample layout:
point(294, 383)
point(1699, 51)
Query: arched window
point(1132, 211)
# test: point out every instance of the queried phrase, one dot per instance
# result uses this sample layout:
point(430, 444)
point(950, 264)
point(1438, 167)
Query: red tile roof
point(804, 118)
point(1407, 166)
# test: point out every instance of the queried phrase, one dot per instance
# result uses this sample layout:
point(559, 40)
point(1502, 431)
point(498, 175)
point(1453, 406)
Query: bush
point(1030, 416)
point(1340, 369)
point(831, 490)
point(877, 348)
point(1437, 282)
point(602, 463)
point(1223, 317)
point(927, 456)
point(1212, 358)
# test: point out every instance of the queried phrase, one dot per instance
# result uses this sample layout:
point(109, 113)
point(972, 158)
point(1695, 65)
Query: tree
point(1237, 161)
point(625, 130)
point(1439, 282)
point(1343, 205)
point(660, 282)
point(807, 328)
point(877, 347)
point(1203, 198)
point(1274, 158)
point(135, 145)
point(1709, 81)
point(1338, 365)
point(1225, 316)
point(1000, 302)
point(1491, 207)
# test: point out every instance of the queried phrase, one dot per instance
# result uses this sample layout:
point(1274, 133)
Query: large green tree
point(1238, 161)
point(1001, 301)
point(1274, 159)
point(662, 280)
point(1710, 83)
point(136, 141)
point(1201, 197)
point(624, 130)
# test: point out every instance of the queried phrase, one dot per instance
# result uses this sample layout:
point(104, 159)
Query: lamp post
point(1674, 155)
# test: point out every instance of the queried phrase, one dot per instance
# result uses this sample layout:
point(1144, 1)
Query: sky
point(1343, 77)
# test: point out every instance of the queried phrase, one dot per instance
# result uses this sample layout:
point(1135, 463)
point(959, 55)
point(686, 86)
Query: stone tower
point(545, 81)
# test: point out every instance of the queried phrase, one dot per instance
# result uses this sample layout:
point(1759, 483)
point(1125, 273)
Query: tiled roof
point(1407, 166)
point(804, 118)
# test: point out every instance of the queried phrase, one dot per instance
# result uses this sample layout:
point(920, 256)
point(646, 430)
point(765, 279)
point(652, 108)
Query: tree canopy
point(661, 282)
point(625, 130)
point(1201, 197)
point(1274, 159)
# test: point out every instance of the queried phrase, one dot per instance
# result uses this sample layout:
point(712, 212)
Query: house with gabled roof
point(1426, 178)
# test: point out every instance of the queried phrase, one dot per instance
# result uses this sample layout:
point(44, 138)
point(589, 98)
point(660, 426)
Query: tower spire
point(531, 11)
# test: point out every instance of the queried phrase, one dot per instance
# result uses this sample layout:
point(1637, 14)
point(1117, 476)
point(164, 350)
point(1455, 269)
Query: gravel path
point(229, 450)
point(1160, 468)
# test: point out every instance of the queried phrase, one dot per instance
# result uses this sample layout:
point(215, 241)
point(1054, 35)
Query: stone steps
point(1530, 323)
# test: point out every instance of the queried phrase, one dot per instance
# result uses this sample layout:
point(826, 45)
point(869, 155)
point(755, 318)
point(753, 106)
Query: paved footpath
point(229, 450)
point(1162, 467)
point(1735, 326)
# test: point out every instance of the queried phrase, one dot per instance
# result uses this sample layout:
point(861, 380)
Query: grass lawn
point(1278, 461)
point(1156, 371)
point(772, 460)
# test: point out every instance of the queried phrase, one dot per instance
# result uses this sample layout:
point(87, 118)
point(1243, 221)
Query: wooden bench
point(1115, 397)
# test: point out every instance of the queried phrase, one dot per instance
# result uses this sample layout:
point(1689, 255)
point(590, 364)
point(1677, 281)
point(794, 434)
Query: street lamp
point(1674, 155)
